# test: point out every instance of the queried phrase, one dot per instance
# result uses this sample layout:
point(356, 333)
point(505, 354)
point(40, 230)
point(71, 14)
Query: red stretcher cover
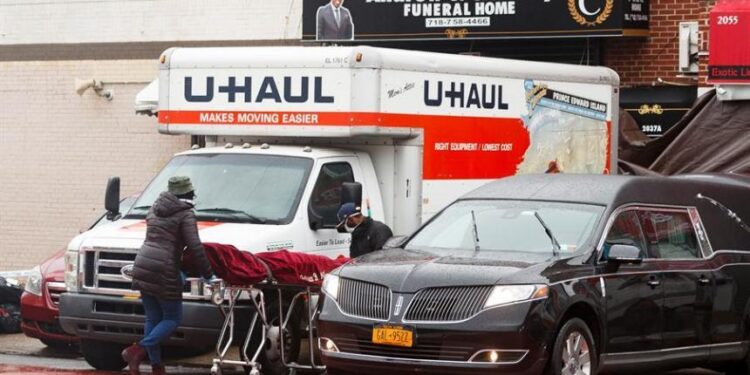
point(237, 267)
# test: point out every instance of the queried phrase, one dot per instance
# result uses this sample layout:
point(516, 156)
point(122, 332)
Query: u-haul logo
point(267, 89)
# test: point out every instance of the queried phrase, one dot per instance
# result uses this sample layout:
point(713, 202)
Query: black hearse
point(557, 274)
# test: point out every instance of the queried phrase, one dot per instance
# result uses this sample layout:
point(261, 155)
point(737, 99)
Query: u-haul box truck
point(286, 126)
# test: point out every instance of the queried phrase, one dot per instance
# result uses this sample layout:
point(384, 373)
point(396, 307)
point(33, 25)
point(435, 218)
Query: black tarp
point(713, 137)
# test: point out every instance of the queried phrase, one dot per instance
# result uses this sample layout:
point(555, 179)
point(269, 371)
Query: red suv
point(41, 298)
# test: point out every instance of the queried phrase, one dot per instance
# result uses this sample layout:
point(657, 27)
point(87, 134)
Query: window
point(326, 195)
point(625, 230)
point(508, 229)
point(670, 234)
point(236, 187)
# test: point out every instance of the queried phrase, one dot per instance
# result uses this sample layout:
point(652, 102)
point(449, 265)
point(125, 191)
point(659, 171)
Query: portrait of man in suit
point(334, 22)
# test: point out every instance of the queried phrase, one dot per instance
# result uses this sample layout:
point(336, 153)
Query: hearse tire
point(583, 357)
point(103, 355)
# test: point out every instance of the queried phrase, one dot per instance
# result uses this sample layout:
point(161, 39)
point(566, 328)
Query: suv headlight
point(71, 271)
point(506, 294)
point(331, 286)
point(34, 282)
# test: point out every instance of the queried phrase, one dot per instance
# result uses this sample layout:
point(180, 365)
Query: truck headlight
point(331, 286)
point(34, 282)
point(71, 271)
point(506, 294)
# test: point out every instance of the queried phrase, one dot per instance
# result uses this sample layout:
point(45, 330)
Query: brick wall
point(57, 150)
point(640, 61)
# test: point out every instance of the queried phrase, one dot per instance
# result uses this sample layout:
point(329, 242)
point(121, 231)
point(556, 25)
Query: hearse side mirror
point(112, 198)
point(625, 254)
point(395, 242)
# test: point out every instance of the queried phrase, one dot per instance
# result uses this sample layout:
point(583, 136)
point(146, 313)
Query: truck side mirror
point(315, 220)
point(112, 198)
point(351, 192)
point(625, 254)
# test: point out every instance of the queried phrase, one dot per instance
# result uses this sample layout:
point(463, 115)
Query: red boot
point(158, 370)
point(134, 355)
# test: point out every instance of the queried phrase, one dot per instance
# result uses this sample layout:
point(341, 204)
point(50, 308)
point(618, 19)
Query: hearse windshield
point(241, 188)
point(502, 226)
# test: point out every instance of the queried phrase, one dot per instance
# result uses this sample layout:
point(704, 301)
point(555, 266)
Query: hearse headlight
point(506, 294)
point(331, 286)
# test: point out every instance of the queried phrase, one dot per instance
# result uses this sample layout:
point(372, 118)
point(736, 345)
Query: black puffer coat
point(170, 228)
point(369, 236)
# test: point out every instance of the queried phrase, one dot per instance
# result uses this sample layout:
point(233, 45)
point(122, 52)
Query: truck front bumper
point(118, 319)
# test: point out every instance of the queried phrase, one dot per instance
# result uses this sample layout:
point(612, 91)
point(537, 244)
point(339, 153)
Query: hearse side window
point(670, 234)
point(625, 230)
point(326, 195)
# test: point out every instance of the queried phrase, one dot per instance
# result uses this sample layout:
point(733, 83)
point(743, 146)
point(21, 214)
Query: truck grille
point(102, 268)
point(447, 304)
point(365, 299)
point(54, 290)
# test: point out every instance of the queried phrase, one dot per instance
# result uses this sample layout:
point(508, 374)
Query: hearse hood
point(408, 271)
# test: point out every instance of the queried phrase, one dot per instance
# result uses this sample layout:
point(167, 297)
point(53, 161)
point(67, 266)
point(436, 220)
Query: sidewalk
point(19, 346)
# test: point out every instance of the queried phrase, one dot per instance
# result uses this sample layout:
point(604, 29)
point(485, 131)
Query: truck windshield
point(242, 188)
point(494, 226)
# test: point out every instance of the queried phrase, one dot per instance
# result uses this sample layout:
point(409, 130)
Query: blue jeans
point(162, 319)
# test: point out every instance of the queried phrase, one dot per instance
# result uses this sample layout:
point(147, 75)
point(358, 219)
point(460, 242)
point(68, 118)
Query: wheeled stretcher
point(286, 281)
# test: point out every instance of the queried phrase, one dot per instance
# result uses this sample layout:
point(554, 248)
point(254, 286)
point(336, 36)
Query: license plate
point(393, 335)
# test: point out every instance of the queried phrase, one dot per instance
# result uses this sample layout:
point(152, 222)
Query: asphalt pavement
point(22, 355)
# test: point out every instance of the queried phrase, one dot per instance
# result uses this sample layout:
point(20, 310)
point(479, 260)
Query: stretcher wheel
point(217, 297)
point(216, 370)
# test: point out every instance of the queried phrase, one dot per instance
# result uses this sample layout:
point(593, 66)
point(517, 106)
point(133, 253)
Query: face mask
point(350, 229)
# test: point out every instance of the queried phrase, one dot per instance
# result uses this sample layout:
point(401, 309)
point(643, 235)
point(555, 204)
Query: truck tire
point(270, 356)
point(582, 359)
point(103, 355)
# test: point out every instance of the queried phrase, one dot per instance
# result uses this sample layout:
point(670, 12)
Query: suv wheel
point(103, 355)
point(574, 351)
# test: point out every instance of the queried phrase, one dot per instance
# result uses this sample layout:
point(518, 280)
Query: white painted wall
point(117, 21)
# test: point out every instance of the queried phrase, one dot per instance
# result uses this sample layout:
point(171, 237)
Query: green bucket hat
point(180, 185)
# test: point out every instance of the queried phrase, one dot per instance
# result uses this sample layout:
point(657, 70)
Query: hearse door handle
point(654, 282)
point(703, 280)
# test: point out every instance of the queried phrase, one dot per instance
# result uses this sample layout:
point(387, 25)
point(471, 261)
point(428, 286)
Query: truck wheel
point(103, 355)
point(270, 356)
point(574, 351)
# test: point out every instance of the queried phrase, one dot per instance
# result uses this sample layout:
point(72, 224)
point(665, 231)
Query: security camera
point(107, 94)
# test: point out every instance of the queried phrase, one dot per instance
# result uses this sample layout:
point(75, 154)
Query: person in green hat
point(171, 229)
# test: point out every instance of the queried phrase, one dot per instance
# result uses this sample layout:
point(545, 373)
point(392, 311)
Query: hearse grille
point(422, 350)
point(447, 304)
point(364, 299)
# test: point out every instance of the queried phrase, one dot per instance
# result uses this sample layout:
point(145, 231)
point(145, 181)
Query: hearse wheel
point(574, 351)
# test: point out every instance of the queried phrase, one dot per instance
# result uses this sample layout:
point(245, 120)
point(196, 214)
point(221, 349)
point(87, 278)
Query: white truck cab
point(286, 126)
